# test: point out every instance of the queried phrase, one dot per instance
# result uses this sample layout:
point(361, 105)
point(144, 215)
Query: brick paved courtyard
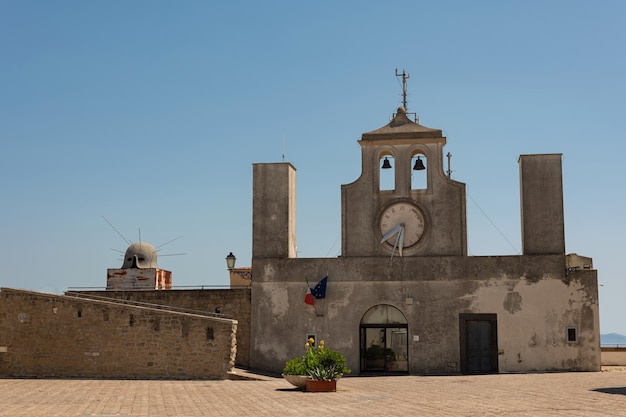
point(562, 394)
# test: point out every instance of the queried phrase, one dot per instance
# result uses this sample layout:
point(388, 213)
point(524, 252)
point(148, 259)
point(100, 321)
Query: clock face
point(407, 219)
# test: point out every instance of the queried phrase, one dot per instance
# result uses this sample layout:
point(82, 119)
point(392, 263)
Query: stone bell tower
point(408, 219)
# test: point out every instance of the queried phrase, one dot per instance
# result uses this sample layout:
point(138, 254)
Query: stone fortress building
point(404, 297)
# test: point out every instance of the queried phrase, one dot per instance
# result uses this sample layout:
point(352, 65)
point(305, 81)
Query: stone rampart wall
point(49, 335)
point(231, 303)
point(614, 356)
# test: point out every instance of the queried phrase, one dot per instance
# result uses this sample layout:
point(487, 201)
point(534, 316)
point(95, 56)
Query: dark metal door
point(479, 344)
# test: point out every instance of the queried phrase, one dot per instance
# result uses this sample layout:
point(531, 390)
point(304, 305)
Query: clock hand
point(395, 244)
point(390, 233)
point(401, 239)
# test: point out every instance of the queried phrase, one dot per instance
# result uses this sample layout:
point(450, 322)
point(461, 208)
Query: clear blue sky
point(151, 113)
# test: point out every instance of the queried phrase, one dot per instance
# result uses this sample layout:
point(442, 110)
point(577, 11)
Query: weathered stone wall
point(533, 299)
point(231, 303)
point(139, 278)
point(49, 335)
point(613, 356)
point(541, 204)
point(274, 210)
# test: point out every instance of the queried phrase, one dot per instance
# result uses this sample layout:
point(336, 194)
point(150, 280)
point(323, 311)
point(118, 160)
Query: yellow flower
point(321, 342)
point(311, 340)
point(306, 345)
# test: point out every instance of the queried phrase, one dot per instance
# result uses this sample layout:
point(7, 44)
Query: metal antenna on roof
point(405, 77)
point(283, 148)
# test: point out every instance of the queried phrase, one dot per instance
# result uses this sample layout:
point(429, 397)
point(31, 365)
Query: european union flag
point(320, 289)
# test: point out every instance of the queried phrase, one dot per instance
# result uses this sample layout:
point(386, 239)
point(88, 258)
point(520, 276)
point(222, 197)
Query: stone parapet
point(50, 335)
point(230, 303)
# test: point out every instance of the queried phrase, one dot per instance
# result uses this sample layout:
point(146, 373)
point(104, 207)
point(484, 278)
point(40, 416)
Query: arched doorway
point(384, 340)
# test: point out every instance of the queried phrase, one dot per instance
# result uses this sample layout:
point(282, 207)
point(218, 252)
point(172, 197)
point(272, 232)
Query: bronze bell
point(386, 164)
point(419, 165)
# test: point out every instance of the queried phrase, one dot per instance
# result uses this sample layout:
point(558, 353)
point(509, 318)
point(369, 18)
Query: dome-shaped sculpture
point(140, 255)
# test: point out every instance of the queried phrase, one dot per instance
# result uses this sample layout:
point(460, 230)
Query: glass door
point(384, 349)
point(384, 341)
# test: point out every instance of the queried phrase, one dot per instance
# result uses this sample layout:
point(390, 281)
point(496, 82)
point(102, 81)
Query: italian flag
point(308, 298)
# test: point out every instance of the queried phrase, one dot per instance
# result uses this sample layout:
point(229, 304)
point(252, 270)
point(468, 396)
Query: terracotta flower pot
point(316, 385)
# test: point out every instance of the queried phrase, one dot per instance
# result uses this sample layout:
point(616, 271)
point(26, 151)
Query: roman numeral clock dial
point(401, 226)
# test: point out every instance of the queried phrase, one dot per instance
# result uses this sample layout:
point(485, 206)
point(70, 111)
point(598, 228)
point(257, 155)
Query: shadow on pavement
point(612, 390)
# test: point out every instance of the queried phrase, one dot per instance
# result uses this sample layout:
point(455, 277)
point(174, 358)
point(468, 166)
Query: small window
point(572, 335)
point(209, 333)
point(80, 313)
point(131, 320)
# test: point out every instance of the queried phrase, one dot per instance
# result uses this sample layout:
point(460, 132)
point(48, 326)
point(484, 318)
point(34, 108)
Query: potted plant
point(295, 372)
point(376, 356)
point(322, 379)
point(318, 364)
